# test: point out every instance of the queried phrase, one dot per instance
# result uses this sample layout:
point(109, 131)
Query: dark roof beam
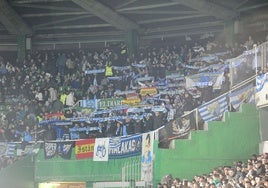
point(36, 1)
point(168, 12)
point(209, 8)
point(241, 4)
point(48, 7)
point(102, 39)
point(183, 27)
point(145, 7)
point(170, 19)
point(53, 14)
point(74, 26)
point(183, 33)
point(257, 17)
point(82, 34)
point(12, 21)
point(125, 4)
point(107, 14)
point(264, 24)
point(253, 7)
point(61, 21)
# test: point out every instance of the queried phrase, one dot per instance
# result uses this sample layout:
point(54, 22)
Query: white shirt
point(70, 99)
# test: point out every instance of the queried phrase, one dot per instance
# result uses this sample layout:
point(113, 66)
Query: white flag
point(101, 149)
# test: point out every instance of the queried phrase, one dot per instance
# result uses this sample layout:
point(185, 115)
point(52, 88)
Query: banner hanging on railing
point(101, 149)
point(214, 110)
point(177, 128)
point(242, 95)
point(29, 149)
point(121, 147)
point(261, 96)
point(84, 148)
point(63, 149)
point(8, 149)
point(147, 157)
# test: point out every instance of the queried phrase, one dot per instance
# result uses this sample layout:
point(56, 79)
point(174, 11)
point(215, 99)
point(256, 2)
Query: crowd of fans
point(250, 174)
point(48, 82)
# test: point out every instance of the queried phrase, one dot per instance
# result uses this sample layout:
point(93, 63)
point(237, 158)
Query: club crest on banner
point(246, 96)
point(64, 149)
point(214, 108)
point(101, 149)
point(185, 122)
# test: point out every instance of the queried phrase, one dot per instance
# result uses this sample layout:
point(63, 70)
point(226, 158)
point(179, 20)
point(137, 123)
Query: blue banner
point(89, 103)
point(121, 68)
point(55, 122)
point(3, 70)
point(205, 79)
point(260, 81)
point(241, 96)
point(121, 147)
point(94, 71)
point(261, 98)
point(11, 148)
point(138, 65)
point(211, 58)
point(115, 78)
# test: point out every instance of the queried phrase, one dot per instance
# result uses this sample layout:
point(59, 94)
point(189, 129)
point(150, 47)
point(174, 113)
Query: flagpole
point(196, 119)
point(230, 105)
point(231, 73)
point(255, 58)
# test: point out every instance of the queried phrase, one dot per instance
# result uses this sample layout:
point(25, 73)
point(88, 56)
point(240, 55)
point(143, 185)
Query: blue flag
point(244, 95)
point(214, 109)
point(11, 148)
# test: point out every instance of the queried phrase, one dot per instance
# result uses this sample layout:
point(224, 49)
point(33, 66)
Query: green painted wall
point(58, 169)
point(19, 175)
point(236, 138)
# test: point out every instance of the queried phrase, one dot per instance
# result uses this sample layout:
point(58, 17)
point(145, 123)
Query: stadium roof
point(109, 20)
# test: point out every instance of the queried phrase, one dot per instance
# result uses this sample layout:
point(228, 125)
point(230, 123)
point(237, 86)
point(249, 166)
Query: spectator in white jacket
point(70, 99)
